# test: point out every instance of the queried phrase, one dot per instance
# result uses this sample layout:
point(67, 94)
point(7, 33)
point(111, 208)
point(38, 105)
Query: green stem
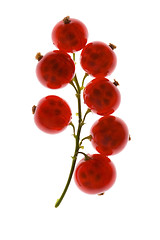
point(86, 157)
point(78, 95)
point(72, 83)
point(85, 75)
point(88, 111)
point(77, 138)
point(68, 182)
point(74, 57)
point(74, 131)
point(88, 137)
point(74, 157)
point(77, 83)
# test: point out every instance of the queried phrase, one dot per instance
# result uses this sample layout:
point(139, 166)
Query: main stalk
point(78, 89)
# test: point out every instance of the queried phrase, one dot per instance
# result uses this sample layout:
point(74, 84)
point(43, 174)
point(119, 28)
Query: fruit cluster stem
point(77, 137)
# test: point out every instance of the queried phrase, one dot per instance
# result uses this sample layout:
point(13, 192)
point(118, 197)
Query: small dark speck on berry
point(52, 102)
point(53, 79)
point(98, 177)
point(109, 93)
point(96, 92)
point(106, 101)
point(94, 55)
point(70, 36)
point(57, 112)
point(87, 184)
point(103, 86)
point(83, 175)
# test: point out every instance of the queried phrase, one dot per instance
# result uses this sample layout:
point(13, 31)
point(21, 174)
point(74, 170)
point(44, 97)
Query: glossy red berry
point(109, 135)
point(52, 114)
point(98, 59)
point(101, 96)
point(55, 69)
point(70, 35)
point(95, 175)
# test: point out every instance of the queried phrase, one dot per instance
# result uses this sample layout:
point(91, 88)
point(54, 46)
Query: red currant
point(101, 96)
point(95, 175)
point(98, 59)
point(55, 69)
point(70, 35)
point(109, 135)
point(52, 114)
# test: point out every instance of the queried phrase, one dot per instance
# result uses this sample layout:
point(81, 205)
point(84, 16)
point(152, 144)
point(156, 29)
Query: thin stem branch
point(86, 157)
point(78, 95)
point(85, 75)
point(88, 137)
point(88, 111)
point(79, 108)
point(77, 83)
point(74, 130)
point(72, 83)
point(74, 58)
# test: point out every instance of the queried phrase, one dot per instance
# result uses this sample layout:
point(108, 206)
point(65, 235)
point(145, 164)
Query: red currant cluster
point(95, 173)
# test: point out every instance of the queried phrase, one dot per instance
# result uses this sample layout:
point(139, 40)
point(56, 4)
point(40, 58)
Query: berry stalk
point(81, 120)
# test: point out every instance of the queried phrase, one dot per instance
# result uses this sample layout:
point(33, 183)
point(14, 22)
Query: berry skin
point(95, 175)
point(55, 69)
point(70, 35)
point(109, 135)
point(98, 59)
point(52, 114)
point(101, 96)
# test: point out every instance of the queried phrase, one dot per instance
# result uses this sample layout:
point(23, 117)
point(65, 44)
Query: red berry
point(101, 96)
point(95, 175)
point(70, 35)
point(98, 59)
point(109, 135)
point(55, 69)
point(52, 114)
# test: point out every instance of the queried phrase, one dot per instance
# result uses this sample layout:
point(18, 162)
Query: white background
point(34, 166)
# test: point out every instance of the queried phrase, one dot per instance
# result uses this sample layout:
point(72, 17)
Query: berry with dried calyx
point(70, 35)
